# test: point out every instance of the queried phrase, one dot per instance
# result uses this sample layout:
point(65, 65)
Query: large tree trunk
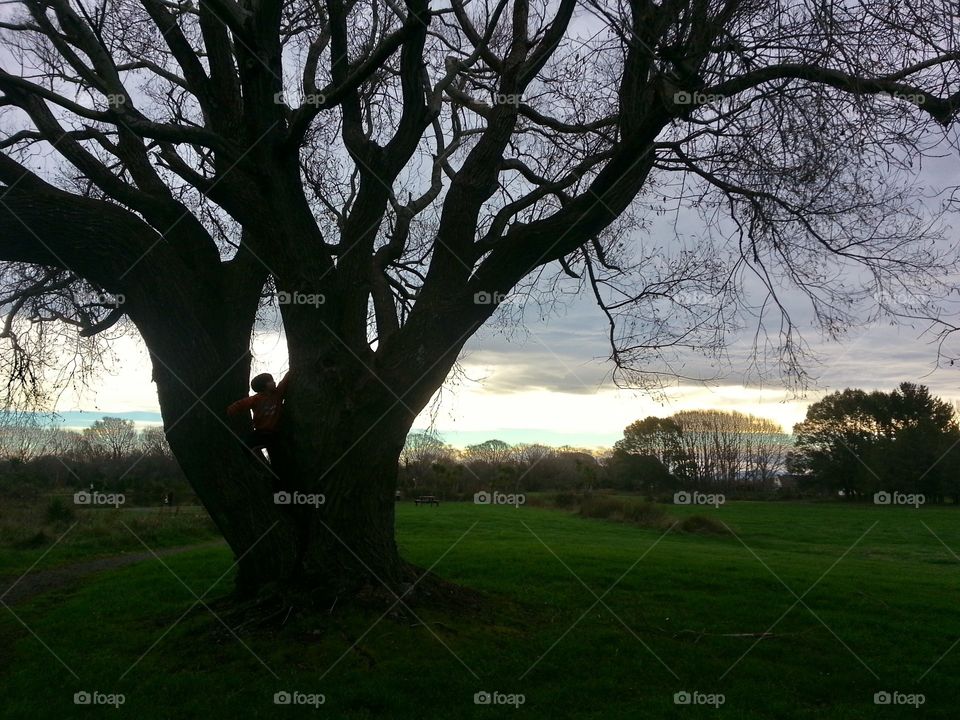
point(343, 432)
point(348, 540)
point(344, 429)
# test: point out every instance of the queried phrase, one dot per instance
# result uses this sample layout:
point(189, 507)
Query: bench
point(427, 500)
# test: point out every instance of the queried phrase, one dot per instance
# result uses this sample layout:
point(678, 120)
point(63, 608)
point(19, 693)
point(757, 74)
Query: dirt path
point(37, 582)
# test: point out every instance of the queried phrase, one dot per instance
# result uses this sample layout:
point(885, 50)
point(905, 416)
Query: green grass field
point(584, 618)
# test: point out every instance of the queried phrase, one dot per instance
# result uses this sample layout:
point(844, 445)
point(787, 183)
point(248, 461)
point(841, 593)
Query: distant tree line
point(23, 437)
point(852, 444)
point(110, 455)
point(689, 450)
point(428, 465)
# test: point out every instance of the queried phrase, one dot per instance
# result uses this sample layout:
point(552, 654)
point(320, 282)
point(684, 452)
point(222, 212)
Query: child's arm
point(282, 386)
point(240, 406)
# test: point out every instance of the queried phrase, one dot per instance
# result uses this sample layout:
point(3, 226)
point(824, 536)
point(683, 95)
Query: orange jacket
point(266, 406)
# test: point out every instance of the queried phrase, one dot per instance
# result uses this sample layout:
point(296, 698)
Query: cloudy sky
point(551, 383)
point(550, 380)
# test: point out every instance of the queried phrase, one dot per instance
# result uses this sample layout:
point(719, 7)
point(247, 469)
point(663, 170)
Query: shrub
point(703, 524)
point(58, 511)
point(38, 539)
point(624, 510)
point(566, 499)
point(645, 513)
point(630, 510)
point(600, 507)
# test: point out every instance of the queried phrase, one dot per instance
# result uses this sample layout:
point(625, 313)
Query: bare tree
point(152, 441)
point(422, 449)
point(62, 442)
point(23, 436)
point(765, 448)
point(530, 454)
point(717, 447)
point(111, 436)
point(493, 452)
point(388, 174)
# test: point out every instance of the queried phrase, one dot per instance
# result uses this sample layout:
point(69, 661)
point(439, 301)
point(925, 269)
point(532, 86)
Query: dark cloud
point(567, 355)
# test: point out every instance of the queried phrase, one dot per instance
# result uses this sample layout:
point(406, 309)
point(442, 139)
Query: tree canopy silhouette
point(859, 442)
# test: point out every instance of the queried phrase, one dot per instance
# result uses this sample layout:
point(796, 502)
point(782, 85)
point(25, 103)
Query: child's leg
point(272, 447)
point(255, 443)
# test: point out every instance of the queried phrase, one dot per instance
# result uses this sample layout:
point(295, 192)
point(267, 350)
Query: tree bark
point(320, 518)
